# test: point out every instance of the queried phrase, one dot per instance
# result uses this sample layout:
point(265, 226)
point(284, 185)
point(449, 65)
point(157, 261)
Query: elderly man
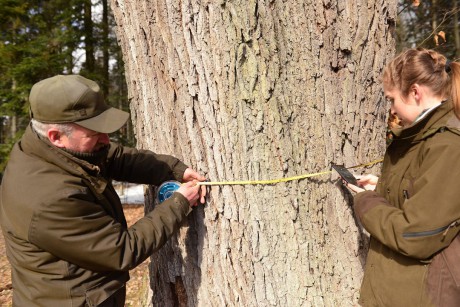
point(65, 231)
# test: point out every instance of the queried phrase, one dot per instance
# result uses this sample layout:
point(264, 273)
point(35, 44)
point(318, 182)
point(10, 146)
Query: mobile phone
point(345, 174)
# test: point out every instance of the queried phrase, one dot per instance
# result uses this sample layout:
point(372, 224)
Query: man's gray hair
point(42, 128)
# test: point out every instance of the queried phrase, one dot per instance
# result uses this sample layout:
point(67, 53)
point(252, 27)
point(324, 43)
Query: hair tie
point(447, 67)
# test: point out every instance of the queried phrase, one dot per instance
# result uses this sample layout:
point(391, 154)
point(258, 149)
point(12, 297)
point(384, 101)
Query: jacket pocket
point(406, 190)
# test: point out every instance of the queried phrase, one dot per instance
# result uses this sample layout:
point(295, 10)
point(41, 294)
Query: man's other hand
point(191, 191)
point(192, 175)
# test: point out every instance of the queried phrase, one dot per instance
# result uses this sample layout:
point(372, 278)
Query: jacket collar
point(440, 118)
point(32, 144)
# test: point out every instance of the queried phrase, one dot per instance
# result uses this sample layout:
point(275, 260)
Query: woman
point(413, 216)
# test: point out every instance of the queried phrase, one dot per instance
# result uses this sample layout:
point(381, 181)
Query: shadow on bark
point(363, 236)
point(175, 279)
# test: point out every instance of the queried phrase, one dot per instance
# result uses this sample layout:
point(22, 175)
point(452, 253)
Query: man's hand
point(191, 191)
point(368, 182)
point(192, 175)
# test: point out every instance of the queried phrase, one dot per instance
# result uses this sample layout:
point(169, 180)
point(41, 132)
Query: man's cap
point(74, 99)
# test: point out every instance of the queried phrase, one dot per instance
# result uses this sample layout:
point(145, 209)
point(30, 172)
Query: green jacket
point(65, 231)
point(413, 217)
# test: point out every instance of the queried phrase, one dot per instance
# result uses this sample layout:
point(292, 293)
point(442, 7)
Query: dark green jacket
point(65, 231)
point(414, 255)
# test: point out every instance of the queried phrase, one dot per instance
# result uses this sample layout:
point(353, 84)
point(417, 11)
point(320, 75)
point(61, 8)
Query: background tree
point(255, 90)
point(40, 39)
point(34, 44)
point(430, 24)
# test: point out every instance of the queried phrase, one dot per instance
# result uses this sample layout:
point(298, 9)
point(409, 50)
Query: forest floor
point(135, 288)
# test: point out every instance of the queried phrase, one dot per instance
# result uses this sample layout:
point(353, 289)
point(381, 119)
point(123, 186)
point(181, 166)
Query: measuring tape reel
point(166, 190)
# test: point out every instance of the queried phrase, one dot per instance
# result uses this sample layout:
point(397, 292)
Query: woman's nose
point(392, 110)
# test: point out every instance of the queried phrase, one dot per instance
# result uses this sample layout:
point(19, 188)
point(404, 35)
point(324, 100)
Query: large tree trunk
point(245, 90)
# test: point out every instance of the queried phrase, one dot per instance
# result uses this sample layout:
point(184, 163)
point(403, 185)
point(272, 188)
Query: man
point(65, 231)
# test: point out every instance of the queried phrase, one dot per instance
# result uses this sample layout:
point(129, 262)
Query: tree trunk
point(245, 90)
point(456, 29)
point(90, 62)
point(105, 48)
point(14, 117)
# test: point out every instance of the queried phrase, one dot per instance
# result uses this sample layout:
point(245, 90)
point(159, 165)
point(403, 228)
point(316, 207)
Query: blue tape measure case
point(166, 190)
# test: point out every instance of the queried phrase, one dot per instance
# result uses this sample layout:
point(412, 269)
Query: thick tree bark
point(245, 90)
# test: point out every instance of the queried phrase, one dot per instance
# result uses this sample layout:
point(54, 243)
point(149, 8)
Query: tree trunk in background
point(456, 29)
point(90, 62)
point(243, 90)
point(105, 48)
point(434, 16)
point(13, 118)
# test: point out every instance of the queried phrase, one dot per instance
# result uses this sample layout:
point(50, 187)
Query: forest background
point(40, 39)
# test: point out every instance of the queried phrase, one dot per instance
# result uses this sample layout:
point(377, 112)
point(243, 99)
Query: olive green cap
point(74, 99)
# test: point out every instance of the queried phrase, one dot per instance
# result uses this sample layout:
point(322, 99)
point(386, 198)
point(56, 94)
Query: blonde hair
point(424, 67)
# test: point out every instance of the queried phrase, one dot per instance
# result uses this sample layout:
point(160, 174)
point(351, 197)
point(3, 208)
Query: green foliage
point(39, 39)
point(4, 152)
point(35, 45)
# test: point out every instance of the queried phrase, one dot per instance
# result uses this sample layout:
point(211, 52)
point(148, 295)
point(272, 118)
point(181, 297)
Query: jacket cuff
point(365, 201)
point(179, 170)
point(181, 201)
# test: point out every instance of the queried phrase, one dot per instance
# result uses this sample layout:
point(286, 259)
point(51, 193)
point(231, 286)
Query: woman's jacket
point(413, 217)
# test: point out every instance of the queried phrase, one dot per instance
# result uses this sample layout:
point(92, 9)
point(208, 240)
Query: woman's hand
point(366, 182)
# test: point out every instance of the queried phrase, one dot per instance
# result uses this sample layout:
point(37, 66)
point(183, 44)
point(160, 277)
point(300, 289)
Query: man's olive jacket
point(413, 217)
point(65, 231)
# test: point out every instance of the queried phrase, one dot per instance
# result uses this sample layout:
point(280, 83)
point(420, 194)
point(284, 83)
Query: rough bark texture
point(250, 89)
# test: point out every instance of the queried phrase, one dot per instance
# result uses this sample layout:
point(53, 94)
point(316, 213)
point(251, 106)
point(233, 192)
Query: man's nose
point(104, 138)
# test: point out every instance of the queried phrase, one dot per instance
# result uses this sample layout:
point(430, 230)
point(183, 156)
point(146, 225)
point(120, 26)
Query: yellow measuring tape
point(273, 181)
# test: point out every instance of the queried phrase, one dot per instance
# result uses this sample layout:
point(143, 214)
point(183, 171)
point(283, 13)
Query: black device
point(345, 174)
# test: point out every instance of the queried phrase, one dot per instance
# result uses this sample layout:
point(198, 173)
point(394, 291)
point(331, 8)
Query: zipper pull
point(453, 224)
point(406, 194)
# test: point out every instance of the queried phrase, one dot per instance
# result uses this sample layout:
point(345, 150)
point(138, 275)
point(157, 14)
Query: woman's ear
point(55, 137)
point(416, 92)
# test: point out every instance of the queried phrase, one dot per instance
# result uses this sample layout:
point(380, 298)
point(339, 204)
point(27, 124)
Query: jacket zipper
point(430, 232)
point(406, 194)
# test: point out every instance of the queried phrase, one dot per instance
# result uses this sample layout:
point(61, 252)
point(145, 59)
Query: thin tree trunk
point(434, 16)
point(89, 39)
point(105, 48)
point(456, 29)
point(2, 130)
point(13, 118)
point(244, 90)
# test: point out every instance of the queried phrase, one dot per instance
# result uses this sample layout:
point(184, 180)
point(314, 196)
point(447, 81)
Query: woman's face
point(405, 108)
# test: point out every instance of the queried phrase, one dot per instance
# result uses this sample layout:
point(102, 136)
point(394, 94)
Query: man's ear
point(55, 137)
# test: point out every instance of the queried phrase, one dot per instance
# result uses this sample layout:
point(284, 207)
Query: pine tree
point(40, 39)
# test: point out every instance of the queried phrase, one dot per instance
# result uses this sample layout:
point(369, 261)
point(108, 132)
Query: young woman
point(412, 211)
